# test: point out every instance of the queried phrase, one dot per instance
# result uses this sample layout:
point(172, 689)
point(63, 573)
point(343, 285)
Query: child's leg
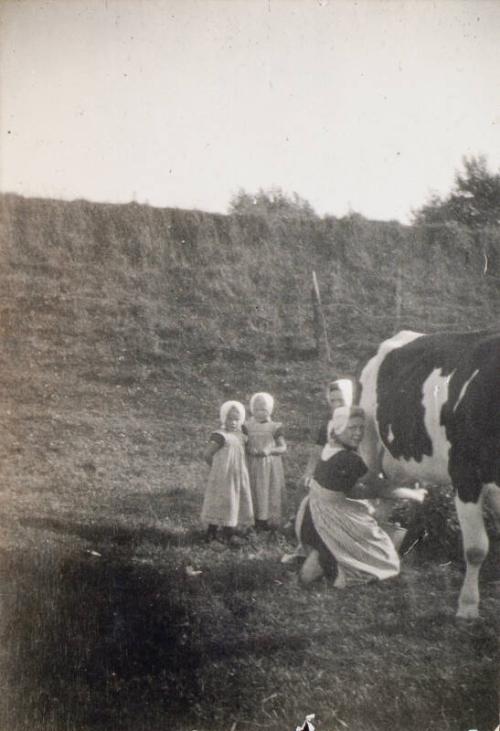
point(272, 535)
point(231, 537)
point(227, 533)
point(211, 532)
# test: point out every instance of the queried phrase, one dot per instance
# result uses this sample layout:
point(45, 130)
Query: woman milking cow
point(336, 524)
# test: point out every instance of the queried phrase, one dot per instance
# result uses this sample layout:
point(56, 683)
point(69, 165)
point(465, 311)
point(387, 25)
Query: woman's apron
point(363, 551)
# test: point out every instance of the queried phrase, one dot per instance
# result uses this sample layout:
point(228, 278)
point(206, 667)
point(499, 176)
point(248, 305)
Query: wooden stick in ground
point(319, 319)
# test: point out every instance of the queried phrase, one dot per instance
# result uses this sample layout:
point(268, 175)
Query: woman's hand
point(416, 495)
point(420, 494)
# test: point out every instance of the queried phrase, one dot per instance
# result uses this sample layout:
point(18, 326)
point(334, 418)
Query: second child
point(266, 444)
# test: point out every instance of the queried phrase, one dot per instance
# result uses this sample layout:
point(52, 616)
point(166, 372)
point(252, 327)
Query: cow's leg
point(475, 543)
point(492, 500)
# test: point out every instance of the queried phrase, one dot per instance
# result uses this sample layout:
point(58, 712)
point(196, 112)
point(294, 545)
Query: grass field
point(103, 627)
point(123, 328)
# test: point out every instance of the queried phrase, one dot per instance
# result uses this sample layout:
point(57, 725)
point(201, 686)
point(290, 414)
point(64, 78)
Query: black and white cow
point(433, 415)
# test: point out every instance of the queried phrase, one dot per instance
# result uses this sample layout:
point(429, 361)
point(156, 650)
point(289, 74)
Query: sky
point(365, 106)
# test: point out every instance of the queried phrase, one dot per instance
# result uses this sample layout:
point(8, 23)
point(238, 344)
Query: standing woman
point(266, 443)
point(336, 521)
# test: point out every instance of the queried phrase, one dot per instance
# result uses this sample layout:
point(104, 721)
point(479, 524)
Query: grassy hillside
point(123, 328)
point(143, 283)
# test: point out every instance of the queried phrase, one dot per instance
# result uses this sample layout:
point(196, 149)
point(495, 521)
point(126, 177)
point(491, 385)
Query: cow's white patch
point(464, 389)
point(431, 469)
point(371, 449)
point(390, 434)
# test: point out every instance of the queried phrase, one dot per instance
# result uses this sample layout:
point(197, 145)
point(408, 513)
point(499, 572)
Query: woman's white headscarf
point(340, 418)
point(226, 408)
point(346, 388)
point(266, 397)
point(337, 425)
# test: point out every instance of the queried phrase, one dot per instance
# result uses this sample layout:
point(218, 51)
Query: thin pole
point(319, 318)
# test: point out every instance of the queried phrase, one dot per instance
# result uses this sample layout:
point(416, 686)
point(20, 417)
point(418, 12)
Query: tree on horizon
point(474, 200)
point(272, 202)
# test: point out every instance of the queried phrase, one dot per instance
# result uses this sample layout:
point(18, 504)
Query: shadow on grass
point(89, 643)
point(116, 534)
point(92, 643)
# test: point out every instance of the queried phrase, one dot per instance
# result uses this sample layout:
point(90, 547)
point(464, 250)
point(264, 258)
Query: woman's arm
point(372, 486)
point(417, 494)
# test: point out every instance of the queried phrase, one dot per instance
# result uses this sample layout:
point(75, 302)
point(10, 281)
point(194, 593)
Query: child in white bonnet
point(265, 447)
point(228, 500)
